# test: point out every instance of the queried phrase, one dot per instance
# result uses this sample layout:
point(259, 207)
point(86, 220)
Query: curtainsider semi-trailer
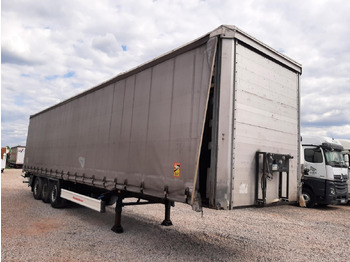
point(185, 127)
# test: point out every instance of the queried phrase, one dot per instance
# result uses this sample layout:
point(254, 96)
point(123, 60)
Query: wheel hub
point(306, 198)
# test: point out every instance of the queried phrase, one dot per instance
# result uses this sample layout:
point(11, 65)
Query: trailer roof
point(230, 31)
point(223, 31)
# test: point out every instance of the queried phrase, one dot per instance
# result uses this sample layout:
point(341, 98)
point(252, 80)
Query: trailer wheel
point(54, 195)
point(45, 192)
point(37, 188)
point(309, 197)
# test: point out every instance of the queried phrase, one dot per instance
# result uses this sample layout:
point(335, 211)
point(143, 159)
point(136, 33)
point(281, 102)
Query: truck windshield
point(335, 159)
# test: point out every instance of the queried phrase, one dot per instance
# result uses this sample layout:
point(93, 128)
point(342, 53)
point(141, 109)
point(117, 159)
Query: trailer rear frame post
point(117, 228)
point(167, 221)
point(280, 186)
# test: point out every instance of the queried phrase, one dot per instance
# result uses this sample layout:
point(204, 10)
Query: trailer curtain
point(142, 133)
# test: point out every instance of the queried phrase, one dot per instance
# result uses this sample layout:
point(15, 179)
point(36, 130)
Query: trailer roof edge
point(229, 31)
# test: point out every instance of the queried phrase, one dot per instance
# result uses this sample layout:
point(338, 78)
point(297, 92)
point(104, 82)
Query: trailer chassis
point(67, 192)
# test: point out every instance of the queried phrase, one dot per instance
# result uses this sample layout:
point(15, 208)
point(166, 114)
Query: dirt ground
point(33, 231)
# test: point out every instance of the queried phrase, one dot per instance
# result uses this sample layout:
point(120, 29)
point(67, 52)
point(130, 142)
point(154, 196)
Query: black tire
point(322, 205)
point(45, 192)
point(37, 188)
point(309, 197)
point(54, 196)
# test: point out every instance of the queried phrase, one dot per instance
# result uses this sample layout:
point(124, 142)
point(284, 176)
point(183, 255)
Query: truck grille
point(341, 177)
point(341, 185)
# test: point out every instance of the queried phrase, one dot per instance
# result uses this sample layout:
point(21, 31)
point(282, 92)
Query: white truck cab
point(325, 173)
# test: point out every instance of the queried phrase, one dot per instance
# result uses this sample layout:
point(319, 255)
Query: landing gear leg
point(167, 221)
point(117, 228)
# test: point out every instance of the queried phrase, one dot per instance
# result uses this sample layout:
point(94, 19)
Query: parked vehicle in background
point(346, 153)
point(325, 173)
point(3, 158)
point(16, 159)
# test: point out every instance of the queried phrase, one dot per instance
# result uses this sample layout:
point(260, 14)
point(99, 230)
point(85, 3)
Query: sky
point(53, 50)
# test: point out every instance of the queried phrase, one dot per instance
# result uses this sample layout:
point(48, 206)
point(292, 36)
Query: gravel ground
point(33, 231)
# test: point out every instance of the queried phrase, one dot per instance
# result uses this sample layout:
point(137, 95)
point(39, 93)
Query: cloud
point(9, 57)
point(52, 50)
point(107, 44)
point(339, 132)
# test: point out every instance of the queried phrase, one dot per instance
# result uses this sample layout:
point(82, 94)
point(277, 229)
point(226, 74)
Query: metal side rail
point(86, 201)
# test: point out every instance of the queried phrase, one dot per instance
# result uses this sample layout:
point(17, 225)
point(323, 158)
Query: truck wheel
point(54, 196)
point(45, 192)
point(37, 188)
point(309, 197)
